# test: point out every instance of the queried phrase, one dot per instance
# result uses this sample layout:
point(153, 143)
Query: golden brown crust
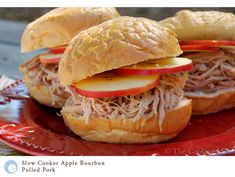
point(58, 26)
point(40, 92)
point(204, 104)
point(118, 42)
point(129, 131)
point(198, 25)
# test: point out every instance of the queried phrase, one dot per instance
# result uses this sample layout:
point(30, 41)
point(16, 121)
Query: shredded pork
point(164, 97)
point(211, 71)
point(156, 101)
point(46, 74)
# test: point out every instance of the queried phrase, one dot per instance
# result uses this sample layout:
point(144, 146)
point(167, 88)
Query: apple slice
point(157, 66)
point(109, 84)
point(57, 50)
point(198, 48)
point(50, 58)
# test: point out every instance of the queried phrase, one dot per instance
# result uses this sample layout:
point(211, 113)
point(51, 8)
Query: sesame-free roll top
point(115, 43)
point(57, 27)
point(202, 25)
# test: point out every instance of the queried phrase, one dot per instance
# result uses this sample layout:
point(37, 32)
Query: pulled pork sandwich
point(54, 31)
point(126, 82)
point(208, 38)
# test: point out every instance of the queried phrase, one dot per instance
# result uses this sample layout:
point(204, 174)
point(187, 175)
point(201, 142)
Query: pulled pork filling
point(211, 71)
point(46, 74)
point(164, 97)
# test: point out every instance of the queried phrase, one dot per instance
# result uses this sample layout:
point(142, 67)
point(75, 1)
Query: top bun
point(115, 43)
point(207, 25)
point(58, 26)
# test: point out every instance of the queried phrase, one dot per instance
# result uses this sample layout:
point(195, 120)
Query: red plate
point(37, 130)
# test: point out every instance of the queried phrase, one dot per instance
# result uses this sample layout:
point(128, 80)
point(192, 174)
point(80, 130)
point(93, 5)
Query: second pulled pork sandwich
point(53, 31)
point(126, 82)
point(208, 38)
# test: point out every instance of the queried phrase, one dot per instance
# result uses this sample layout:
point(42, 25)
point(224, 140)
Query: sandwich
point(126, 82)
point(53, 31)
point(208, 39)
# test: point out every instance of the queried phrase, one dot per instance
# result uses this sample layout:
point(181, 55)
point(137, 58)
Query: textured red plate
point(37, 130)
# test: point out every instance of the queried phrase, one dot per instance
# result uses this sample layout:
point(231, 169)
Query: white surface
point(123, 166)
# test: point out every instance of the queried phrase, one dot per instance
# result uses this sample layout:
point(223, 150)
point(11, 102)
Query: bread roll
point(129, 131)
point(53, 29)
point(115, 43)
point(57, 27)
point(205, 25)
point(204, 103)
point(202, 25)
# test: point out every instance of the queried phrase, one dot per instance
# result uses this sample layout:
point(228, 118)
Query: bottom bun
point(210, 103)
point(129, 131)
point(40, 92)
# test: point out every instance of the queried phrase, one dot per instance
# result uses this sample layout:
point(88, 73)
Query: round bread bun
point(40, 92)
point(128, 131)
point(57, 27)
point(202, 25)
point(115, 43)
point(204, 103)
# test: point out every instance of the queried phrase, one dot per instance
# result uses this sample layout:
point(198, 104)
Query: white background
point(133, 166)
